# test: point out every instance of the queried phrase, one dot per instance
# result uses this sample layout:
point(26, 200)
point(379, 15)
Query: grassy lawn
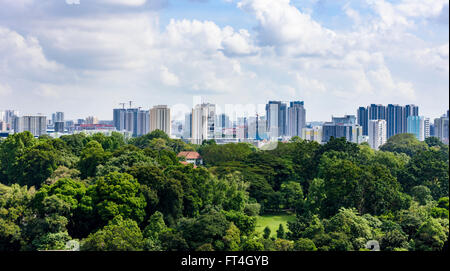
point(273, 221)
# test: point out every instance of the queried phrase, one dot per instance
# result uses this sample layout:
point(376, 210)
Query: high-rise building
point(416, 126)
point(187, 133)
point(240, 128)
point(91, 120)
point(363, 119)
point(132, 120)
point(257, 129)
point(312, 134)
point(296, 120)
point(222, 124)
point(426, 128)
point(160, 119)
point(8, 116)
point(69, 126)
point(59, 126)
point(342, 127)
point(441, 129)
point(377, 112)
point(57, 117)
point(119, 118)
point(409, 110)
point(203, 123)
point(377, 133)
point(143, 123)
point(37, 125)
point(15, 124)
point(432, 129)
point(394, 119)
point(276, 112)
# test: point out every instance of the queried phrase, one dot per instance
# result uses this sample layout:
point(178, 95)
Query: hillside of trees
point(103, 193)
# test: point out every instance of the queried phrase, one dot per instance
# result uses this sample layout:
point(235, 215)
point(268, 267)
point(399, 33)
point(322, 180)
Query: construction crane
point(123, 105)
point(131, 102)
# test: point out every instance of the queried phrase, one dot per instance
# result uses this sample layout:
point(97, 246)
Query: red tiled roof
point(190, 155)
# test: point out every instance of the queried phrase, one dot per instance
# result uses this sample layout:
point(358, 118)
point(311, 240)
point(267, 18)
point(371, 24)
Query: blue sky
point(85, 57)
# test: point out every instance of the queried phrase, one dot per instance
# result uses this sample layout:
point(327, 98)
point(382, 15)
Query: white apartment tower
point(426, 128)
point(203, 122)
point(377, 133)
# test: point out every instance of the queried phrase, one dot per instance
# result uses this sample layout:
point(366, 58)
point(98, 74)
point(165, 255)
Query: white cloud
point(238, 44)
point(22, 55)
point(382, 80)
point(422, 8)
point(73, 2)
point(288, 55)
point(168, 78)
point(208, 38)
point(290, 31)
point(406, 12)
point(435, 57)
point(104, 42)
point(124, 2)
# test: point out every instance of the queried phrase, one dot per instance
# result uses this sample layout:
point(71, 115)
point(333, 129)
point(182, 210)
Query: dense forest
point(107, 193)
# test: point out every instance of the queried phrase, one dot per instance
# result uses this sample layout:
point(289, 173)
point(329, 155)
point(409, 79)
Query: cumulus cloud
point(435, 57)
point(290, 31)
point(104, 42)
point(289, 54)
point(22, 55)
point(238, 43)
point(406, 12)
point(124, 2)
point(168, 78)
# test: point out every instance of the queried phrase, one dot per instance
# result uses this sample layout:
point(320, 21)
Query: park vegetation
point(106, 193)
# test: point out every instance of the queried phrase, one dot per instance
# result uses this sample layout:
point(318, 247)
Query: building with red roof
point(191, 157)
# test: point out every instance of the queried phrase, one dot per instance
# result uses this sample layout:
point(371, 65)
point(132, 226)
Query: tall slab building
point(377, 133)
point(160, 119)
point(37, 125)
point(296, 120)
point(203, 123)
point(276, 113)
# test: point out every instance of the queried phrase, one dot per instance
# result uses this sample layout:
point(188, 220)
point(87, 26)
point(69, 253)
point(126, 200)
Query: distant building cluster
point(395, 119)
point(373, 124)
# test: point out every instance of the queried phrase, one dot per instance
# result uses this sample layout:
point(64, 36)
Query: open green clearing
point(273, 221)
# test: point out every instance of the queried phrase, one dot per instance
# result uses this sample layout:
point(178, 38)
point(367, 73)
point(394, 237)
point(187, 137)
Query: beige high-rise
point(160, 119)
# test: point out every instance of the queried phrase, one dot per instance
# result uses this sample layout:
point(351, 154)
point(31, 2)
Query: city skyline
point(88, 56)
point(237, 111)
point(284, 120)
